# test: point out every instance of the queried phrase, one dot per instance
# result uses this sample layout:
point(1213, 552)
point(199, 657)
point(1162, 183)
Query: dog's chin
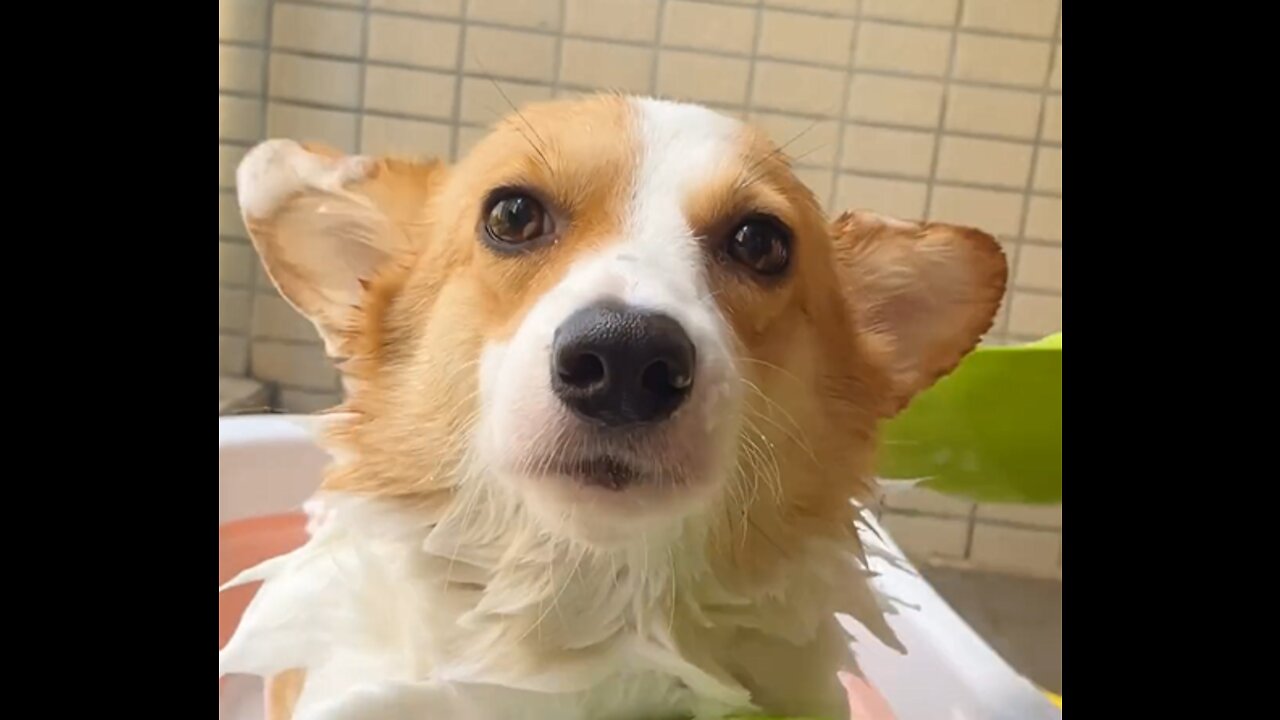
point(605, 493)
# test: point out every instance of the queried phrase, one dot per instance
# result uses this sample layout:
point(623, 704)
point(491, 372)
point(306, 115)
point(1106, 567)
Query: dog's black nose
point(615, 365)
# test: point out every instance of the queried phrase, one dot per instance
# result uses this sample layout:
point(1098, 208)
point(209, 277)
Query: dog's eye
point(761, 244)
point(516, 219)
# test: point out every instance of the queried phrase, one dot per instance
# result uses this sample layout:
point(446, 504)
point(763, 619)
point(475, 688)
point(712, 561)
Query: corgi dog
point(612, 385)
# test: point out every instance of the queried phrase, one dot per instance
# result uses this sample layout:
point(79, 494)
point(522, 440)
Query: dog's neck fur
point(503, 601)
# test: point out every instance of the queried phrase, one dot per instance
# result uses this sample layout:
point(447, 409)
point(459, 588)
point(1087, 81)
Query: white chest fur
point(393, 618)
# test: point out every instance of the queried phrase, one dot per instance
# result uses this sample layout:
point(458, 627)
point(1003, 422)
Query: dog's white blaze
point(682, 148)
point(655, 262)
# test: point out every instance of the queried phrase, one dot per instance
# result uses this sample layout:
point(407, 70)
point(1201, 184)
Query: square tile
point(808, 38)
point(263, 282)
point(409, 138)
point(236, 262)
point(881, 150)
point(317, 29)
point(1048, 175)
point(510, 54)
point(242, 20)
point(819, 181)
point(301, 366)
point(483, 103)
point(240, 69)
point(230, 224)
point(1020, 17)
point(539, 14)
point(467, 139)
point(1035, 315)
point(807, 142)
point(634, 20)
point(229, 157)
point(925, 12)
point(310, 124)
point(899, 198)
point(996, 335)
point(984, 162)
point(1039, 268)
point(1044, 218)
point(408, 92)
point(1029, 552)
point(922, 538)
point(1055, 75)
point(899, 101)
point(922, 51)
point(306, 402)
point(703, 26)
point(992, 111)
point(275, 319)
point(797, 88)
point(233, 310)
point(239, 119)
point(991, 211)
point(1051, 125)
point(242, 395)
point(410, 41)
point(233, 354)
point(703, 78)
point(593, 64)
point(1004, 61)
point(329, 82)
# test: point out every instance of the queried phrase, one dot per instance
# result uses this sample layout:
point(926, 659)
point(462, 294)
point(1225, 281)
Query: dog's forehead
point(650, 150)
point(682, 145)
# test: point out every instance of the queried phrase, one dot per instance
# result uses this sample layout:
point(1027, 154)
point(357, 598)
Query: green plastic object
point(991, 431)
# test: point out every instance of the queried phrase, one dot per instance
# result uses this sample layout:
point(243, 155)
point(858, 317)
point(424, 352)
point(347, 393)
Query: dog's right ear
point(326, 224)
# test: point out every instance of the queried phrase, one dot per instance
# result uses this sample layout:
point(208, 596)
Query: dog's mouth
point(607, 472)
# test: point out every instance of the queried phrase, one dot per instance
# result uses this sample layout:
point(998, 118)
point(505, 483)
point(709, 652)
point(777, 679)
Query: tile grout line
point(656, 48)
point(939, 127)
point(842, 117)
point(364, 72)
point(822, 14)
point(757, 29)
point(970, 524)
point(264, 93)
point(558, 61)
point(358, 129)
point(1027, 193)
point(712, 52)
point(1021, 142)
point(459, 61)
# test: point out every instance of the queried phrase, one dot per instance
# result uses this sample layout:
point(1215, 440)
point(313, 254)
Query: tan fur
point(282, 692)
point(824, 351)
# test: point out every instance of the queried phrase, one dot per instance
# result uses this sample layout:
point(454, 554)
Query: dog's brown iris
point(517, 219)
point(762, 245)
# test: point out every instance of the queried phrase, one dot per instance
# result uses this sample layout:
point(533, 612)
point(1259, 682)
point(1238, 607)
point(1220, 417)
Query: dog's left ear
point(921, 293)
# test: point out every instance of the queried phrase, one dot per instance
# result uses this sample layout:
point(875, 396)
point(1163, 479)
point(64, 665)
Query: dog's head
point(621, 312)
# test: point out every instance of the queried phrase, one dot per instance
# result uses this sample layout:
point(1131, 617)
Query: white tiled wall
point(940, 109)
